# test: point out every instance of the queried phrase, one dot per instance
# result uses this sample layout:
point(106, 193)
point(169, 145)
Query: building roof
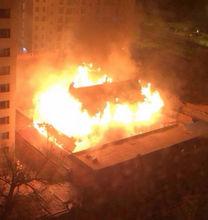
point(48, 201)
point(30, 134)
point(127, 149)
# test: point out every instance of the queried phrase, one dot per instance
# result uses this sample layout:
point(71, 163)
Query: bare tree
point(14, 176)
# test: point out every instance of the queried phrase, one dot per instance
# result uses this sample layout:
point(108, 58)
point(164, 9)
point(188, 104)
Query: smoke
point(103, 36)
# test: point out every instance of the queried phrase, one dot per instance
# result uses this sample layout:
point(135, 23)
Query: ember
point(59, 108)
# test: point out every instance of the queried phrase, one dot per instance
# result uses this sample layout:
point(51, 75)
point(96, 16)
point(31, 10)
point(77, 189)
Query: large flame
point(57, 107)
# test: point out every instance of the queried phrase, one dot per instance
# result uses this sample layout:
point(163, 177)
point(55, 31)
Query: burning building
point(87, 134)
point(99, 110)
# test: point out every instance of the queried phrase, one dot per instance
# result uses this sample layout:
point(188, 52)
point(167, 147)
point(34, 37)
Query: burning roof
point(98, 112)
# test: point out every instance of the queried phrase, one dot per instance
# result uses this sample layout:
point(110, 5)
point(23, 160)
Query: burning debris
point(96, 110)
point(94, 98)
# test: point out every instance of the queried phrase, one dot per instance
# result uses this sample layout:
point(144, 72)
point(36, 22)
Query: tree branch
point(4, 180)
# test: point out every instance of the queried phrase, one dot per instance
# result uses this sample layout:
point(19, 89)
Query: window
point(69, 11)
point(4, 52)
point(4, 88)
point(61, 10)
point(83, 11)
point(37, 9)
point(83, 2)
point(4, 120)
point(60, 20)
point(4, 33)
point(59, 28)
point(4, 104)
point(4, 135)
point(4, 13)
point(4, 70)
point(72, 2)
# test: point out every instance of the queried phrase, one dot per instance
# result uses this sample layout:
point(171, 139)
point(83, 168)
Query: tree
point(15, 175)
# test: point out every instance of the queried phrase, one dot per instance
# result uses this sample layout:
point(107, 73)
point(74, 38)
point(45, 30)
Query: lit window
point(4, 104)
point(4, 70)
point(4, 120)
point(4, 135)
point(4, 13)
point(4, 52)
point(4, 87)
point(4, 33)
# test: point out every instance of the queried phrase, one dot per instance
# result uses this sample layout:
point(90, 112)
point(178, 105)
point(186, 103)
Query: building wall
point(54, 22)
point(25, 24)
point(7, 73)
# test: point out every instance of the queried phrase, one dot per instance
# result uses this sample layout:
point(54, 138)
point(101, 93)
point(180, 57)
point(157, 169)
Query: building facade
point(54, 24)
point(7, 73)
point(25, 23)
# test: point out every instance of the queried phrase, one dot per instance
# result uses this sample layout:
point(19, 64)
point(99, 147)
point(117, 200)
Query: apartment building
point(7, 73)
point(55, 22)
point(25, 8)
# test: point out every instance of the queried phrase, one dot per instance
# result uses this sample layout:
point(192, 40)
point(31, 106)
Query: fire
point(82, 77)
point(57, 107)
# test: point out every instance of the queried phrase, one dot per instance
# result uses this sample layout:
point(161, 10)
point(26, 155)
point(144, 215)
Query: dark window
point(4, 135)
point(4, 120)
point(4, 87)
point(83, 11)
point(4, 104)
point(4, 13)
point(60, 20)
point(84, 2)
point(4, 52)
point(4, 70)
point(59, 28)
point(69, 11)
point(61, 10)
point(72, 2)
point(4, 33)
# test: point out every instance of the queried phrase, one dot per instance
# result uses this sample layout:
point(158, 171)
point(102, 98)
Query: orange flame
point(57, 107)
